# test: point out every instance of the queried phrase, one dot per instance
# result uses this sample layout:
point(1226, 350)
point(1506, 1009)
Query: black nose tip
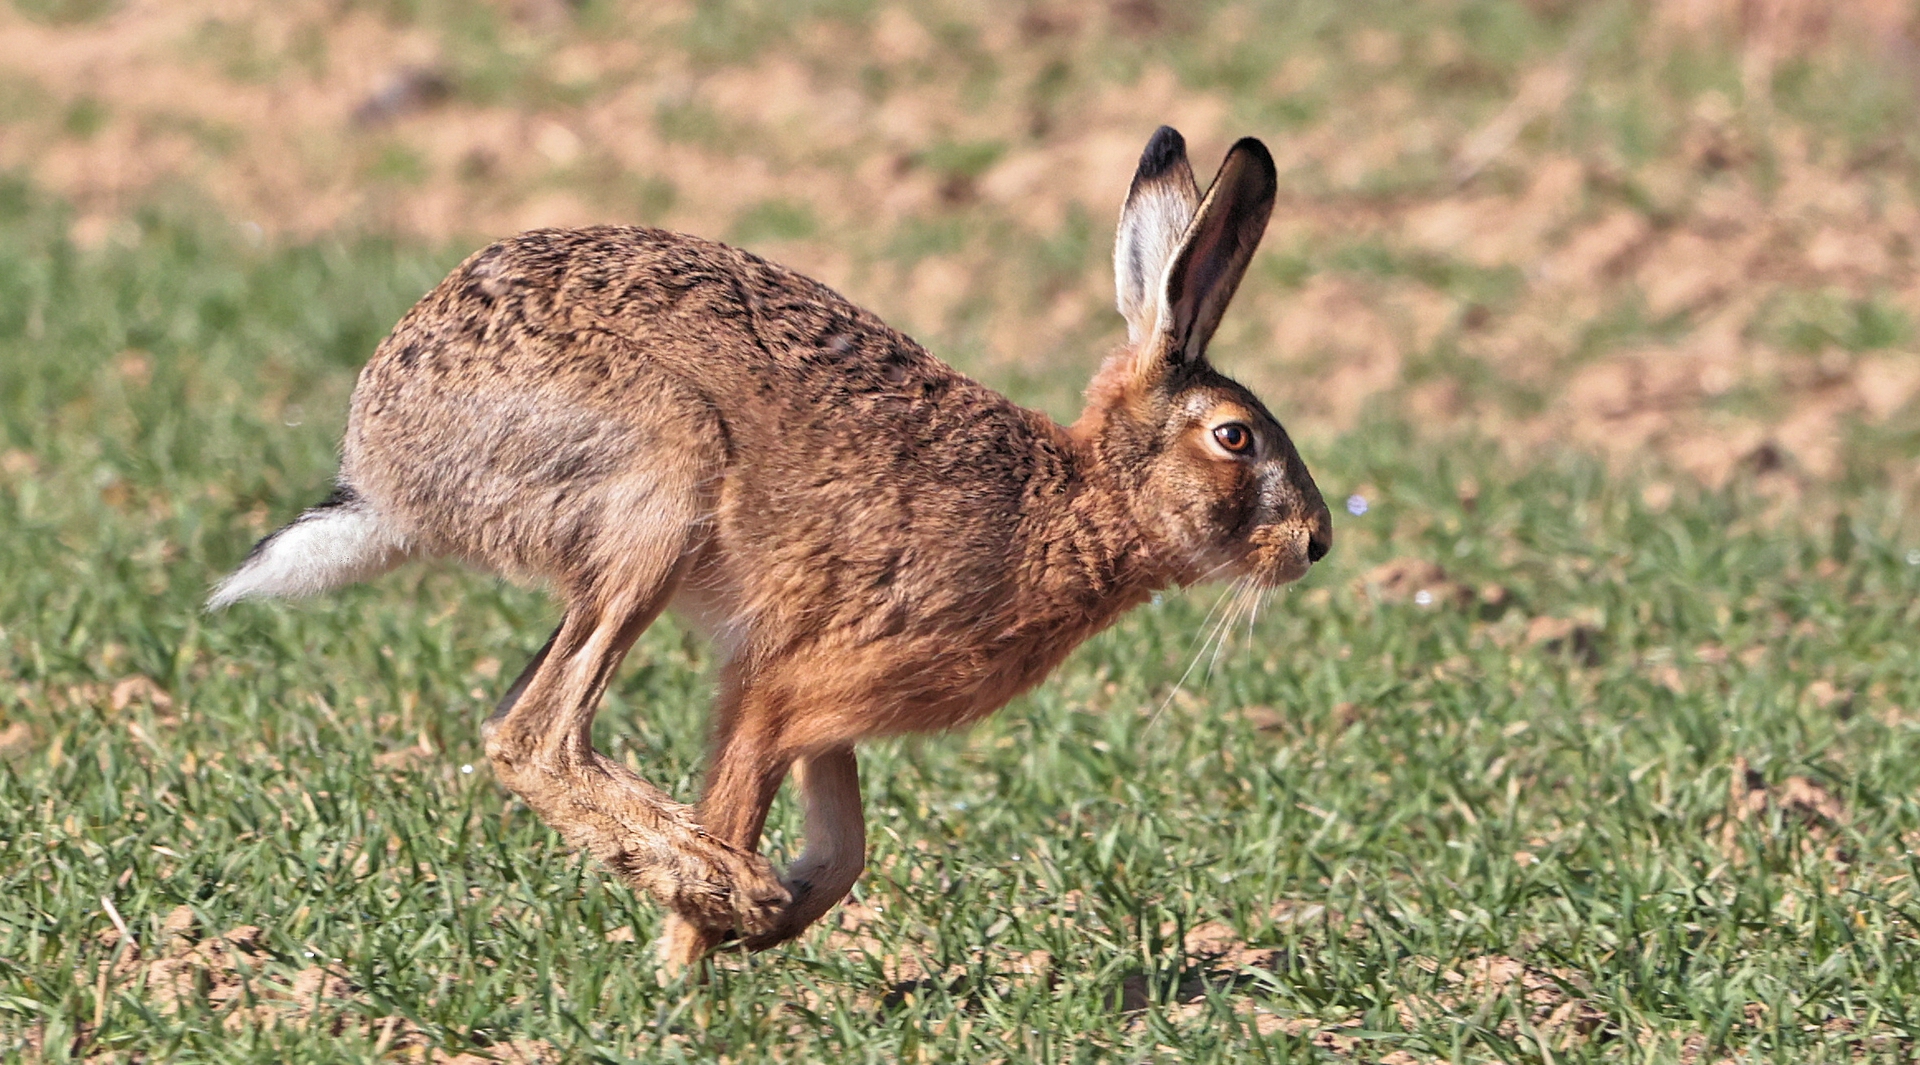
point(1317, 548)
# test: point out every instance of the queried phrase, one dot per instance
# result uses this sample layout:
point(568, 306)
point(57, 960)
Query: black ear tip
point(1253, 149)
point(1166, 149)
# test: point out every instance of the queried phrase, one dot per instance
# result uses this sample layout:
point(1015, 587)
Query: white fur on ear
point(1160, 205)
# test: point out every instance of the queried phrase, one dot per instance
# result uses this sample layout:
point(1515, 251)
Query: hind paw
point(728, 889)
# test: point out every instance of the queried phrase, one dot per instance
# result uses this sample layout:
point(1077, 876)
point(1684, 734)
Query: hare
point(875, 543)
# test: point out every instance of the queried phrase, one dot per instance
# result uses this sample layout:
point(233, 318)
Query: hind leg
point(540, 745)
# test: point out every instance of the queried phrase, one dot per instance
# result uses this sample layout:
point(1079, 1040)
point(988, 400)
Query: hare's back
point(593, 317)
point(556, 365)
point(588, 315)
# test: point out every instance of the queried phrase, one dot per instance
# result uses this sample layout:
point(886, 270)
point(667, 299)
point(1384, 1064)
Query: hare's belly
point(907, 689)
point(911, 682)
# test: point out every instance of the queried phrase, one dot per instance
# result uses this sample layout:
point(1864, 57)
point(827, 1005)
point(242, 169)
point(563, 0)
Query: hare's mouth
point(1280, 554)
point(1259, 565)
point(1280, 568)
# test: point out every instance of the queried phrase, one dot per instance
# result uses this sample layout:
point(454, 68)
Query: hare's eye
point(1234, 437)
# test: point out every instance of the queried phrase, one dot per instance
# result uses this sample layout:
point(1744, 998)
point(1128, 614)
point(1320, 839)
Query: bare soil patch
point(238, 976)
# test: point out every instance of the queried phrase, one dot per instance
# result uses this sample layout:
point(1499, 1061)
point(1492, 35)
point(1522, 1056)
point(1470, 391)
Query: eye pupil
point(1234, 437)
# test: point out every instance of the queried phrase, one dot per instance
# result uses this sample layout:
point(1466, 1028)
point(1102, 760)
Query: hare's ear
point(1160, 205)
point(1216, 249)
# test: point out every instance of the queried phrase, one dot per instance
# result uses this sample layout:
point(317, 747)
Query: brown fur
point(877, 544)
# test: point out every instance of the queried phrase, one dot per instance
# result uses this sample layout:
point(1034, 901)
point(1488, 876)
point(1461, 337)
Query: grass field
point(1556, 758)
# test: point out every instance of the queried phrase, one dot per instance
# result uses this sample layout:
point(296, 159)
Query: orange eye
point(1234, 437)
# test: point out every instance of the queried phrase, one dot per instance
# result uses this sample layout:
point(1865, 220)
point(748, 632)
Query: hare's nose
point(1320, 534)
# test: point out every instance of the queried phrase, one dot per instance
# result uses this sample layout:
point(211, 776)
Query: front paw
point(682, 945)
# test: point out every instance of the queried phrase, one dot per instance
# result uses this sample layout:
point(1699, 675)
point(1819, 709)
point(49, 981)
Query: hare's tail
point(340, 541)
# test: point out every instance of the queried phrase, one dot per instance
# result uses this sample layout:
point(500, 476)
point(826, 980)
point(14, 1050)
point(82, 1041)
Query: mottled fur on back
point(876, 543)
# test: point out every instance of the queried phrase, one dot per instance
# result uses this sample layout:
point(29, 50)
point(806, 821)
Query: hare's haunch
point(876, 543)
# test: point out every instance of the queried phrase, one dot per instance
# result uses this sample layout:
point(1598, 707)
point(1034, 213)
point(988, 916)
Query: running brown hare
point(875, 543)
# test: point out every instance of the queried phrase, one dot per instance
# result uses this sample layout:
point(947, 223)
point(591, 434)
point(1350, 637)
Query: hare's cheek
point(1235, 500)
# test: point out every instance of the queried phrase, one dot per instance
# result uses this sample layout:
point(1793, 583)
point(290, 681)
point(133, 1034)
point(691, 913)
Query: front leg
point(836, 844)
point(748, 764)
point(836, 852)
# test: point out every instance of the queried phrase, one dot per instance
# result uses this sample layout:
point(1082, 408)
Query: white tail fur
point(341, 541)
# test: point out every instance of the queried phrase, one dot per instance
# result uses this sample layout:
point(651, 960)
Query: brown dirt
point(238, 977)
point(139, 689)
point(1757, 810)
point(1223, 962)
point(1419, 581)
point(1565, 636)
point(1558, 1012)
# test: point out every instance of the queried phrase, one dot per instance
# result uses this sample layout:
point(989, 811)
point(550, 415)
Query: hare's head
point(1214, 484)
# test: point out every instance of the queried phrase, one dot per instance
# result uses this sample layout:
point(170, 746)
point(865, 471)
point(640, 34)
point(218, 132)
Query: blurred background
point(1681, 231)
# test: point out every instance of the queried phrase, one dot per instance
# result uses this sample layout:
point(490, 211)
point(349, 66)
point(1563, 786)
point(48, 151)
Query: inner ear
point(1159, 209)
point(1217, 247)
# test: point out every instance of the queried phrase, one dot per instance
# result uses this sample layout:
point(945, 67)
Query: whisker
point(1235, 598)
point(1241, 588)
point(1217, 637)
point(1220, 635)
point(1206, 626)
point(1214, 571)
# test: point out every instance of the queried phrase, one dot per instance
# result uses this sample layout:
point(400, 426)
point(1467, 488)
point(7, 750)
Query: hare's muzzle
point(1285, 550)
point(1286, 547)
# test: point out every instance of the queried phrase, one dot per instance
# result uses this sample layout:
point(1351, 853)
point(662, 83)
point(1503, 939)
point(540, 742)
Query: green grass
point(1377, 793)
